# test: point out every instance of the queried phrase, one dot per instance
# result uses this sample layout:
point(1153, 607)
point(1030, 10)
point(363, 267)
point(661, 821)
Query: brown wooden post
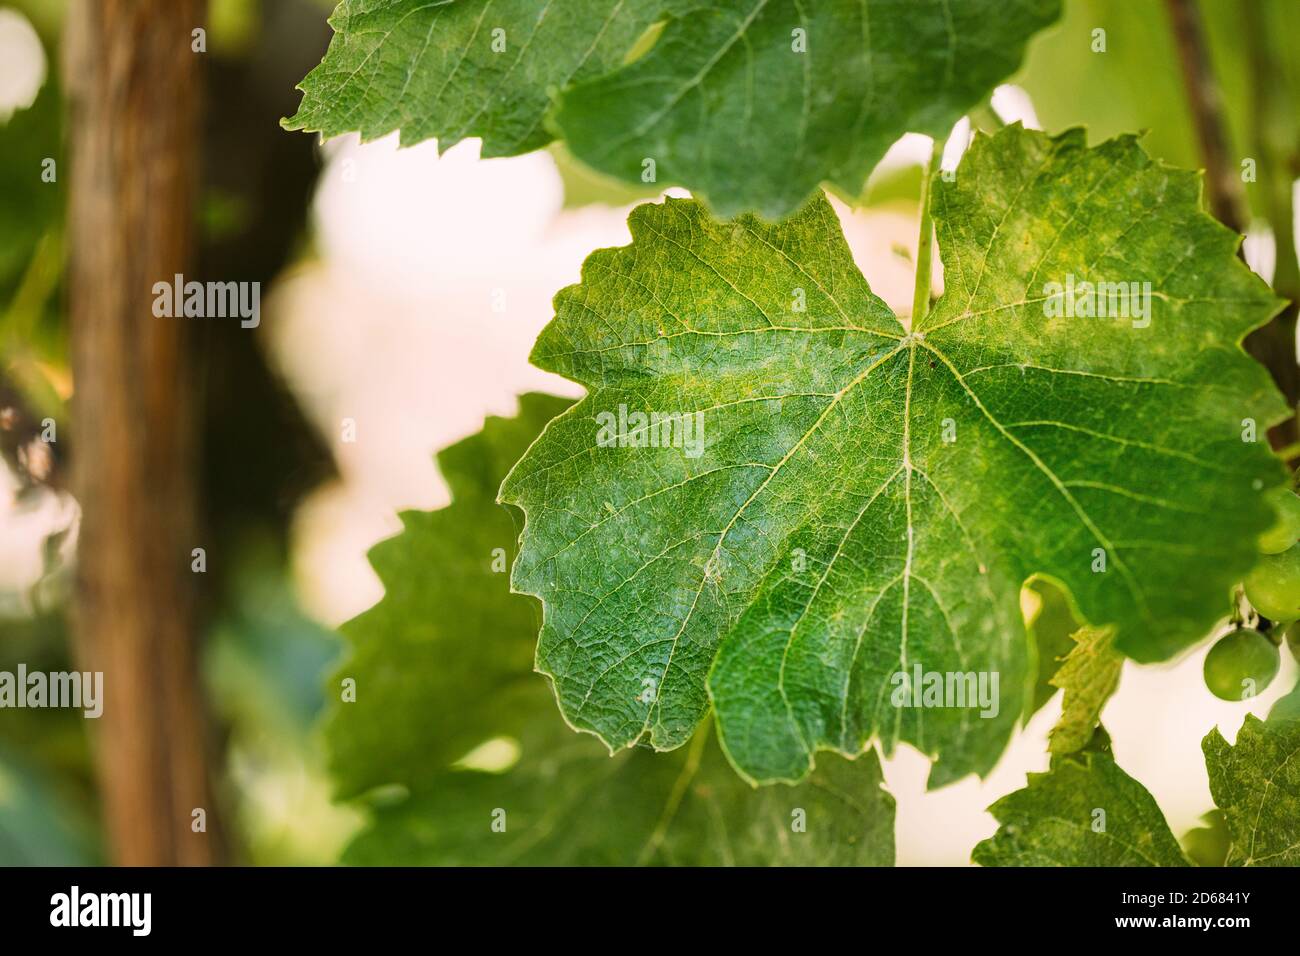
point(132, 81)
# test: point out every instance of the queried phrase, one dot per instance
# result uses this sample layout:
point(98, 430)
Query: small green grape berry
point(1286, 530)
point(1241, 664)
point(1293, 639)
point(1273, 585)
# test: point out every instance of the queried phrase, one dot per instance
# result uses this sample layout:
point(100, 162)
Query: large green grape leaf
point(1256, 782)
point(443, 669)
point(1084, 812)
point(867, 499)
point(751, 103)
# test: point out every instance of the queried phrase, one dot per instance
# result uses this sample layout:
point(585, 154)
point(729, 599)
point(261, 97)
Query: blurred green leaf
point(1137, 84)
point(466, 760)
point(1134, 85)
point(33, 348)
point(29, 204)
point(1050, 629)
point(1208, 845)
point(38, 826)
point(265, 659)
point(1286, 707)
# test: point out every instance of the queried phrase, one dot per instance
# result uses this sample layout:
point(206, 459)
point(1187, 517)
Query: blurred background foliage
point(267, 438)
point(264, 660)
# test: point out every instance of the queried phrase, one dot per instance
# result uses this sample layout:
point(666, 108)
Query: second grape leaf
point(748, 103)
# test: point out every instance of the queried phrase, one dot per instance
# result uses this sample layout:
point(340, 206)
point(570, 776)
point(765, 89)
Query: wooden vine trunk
point(133, 88)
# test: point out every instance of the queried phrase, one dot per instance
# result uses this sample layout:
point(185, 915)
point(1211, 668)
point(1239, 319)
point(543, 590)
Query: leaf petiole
point(924, 243)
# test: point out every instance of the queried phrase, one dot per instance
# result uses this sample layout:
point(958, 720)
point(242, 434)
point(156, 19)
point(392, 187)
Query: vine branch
point(133, 87)
point(1223, 188)
point(1274, 344)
